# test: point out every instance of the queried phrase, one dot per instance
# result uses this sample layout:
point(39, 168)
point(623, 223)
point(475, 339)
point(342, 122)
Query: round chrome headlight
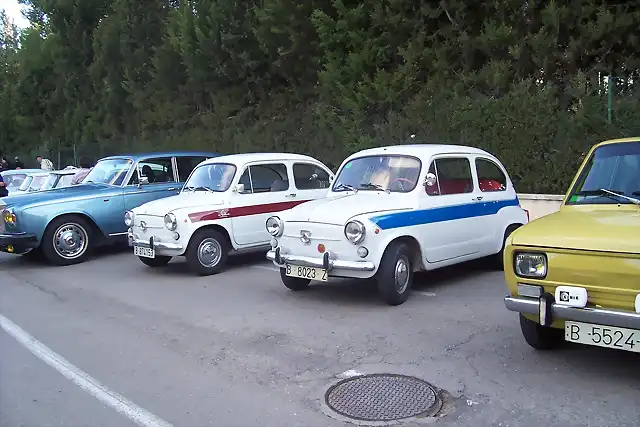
point(128, 218)
point(275, 226)
point(354, 231)
point(170, 222)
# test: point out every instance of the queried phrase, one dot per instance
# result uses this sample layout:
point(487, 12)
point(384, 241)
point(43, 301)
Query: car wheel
point(538, 336)
point(498, 259)
point(207, 252)
point(158, 261)
point(294, 283)
point(395, 275)
point(67, 240)
point(34, 254)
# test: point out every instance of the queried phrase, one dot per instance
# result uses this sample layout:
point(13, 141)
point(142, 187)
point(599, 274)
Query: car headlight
point(531, 265)
point(354, 231)
point(170, 222)
point(128, 218)
point(8, 216)
point(275, 226)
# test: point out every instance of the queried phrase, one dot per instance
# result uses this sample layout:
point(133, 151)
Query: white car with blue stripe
point(392, 211)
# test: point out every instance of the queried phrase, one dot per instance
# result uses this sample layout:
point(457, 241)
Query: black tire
point(498, 259)
point(395, 290)
point(34, 254)
point(158, 261)
point(207, 240)
point(294, 283)
point(538, 336)
point(79, 229)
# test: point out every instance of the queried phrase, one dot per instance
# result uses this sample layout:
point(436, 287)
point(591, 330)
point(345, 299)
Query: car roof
point(421, 150)
point(19, 171)
point(139, 156)
point(240, 159)
point(65, 172)
point(618, 141)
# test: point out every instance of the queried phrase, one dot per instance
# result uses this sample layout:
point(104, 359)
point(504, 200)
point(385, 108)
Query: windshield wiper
point(348, 187)
point(371, 185)
point(608, 193)
point(199, 187)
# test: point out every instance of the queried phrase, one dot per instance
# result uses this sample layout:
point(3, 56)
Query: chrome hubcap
point(209, 252)
point(70, 241)
point(401, 275)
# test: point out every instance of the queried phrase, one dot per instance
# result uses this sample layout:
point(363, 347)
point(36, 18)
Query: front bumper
point(599, 316)
point(17, 242)
point(154, 243)
point(327, 261)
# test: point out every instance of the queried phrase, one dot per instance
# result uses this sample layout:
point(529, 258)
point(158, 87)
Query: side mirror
point(143, 181)
point(239, 188)
point(430, 180)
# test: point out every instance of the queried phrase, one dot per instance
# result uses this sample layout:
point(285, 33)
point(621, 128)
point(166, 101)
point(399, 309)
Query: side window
point(271, 177)
point(453, 176)
point(158, 170)
point(490, 176)
point(186, 166)
point(308, 176)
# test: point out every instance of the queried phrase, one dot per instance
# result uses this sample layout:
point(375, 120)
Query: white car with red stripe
point(395, 210)
point(222, 208)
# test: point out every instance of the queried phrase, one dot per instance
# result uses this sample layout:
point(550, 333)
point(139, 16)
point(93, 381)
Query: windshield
point(110, 172)
point(615, 168)
point(398, 174)
point(211, 177)
point(51, 180)
point(14, 180)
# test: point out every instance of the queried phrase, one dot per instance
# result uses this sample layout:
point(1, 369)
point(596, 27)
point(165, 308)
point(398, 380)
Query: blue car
point(65, 225)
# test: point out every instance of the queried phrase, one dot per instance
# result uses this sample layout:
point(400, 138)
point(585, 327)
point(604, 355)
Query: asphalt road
point(240, 350)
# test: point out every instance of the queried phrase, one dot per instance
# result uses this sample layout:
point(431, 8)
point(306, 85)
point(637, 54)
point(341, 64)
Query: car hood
point(606, 229)
point(197, 200)
point(37, 197)
point(338, 209)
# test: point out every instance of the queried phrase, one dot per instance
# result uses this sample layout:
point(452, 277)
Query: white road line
point(127, 408)
point(266, 267)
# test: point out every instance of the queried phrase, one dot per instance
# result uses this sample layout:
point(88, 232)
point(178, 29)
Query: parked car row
point(21, 181)
point(385, 214)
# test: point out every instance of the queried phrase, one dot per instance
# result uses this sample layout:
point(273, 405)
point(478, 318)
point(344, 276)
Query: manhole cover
point(381, 397)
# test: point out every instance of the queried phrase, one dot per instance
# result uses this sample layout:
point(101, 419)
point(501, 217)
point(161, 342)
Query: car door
point(450, 230)
point(267, 188)
point(310, 179)
point(161, 174)
point(492, 193)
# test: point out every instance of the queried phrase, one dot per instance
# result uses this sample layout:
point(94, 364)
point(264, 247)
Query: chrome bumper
point(327, 262)
point(599, 316)
point(153, 244)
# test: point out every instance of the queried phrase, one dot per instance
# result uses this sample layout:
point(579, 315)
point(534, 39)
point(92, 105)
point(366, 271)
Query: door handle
point(477, 198)
point(172, 188)
point(291, 195)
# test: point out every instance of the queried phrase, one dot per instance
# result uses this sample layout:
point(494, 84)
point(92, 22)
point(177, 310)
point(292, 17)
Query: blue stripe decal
point(447, 213)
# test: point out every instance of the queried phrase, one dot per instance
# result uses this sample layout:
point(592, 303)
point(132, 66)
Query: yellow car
point(574, 275)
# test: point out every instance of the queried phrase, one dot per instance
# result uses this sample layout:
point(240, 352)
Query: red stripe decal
point(243, 211)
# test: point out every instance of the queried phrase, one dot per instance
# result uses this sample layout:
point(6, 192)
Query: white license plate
point(144, 252)
point(312, 273)
point(602, 336)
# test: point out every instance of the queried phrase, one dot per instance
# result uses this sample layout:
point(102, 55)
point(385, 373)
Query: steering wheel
point(399, 180)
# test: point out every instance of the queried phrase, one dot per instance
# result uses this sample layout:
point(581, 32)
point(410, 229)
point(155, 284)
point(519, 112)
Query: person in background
point(85, 168)
point(6, 166)
point(18, 163)
point(45, 164)
point(3, 188)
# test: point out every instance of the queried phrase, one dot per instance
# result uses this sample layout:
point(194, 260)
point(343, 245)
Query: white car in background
point(392, 211)
point(15, 177)
point(32, 182)
point(222, 208)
